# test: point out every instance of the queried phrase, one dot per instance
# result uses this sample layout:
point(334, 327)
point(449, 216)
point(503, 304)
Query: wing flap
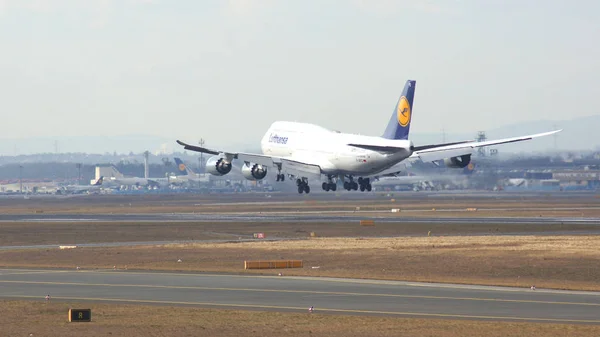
point(295, 167)
point(443, 154)
point(426, 147)
point(289, 166)
point(257, 159)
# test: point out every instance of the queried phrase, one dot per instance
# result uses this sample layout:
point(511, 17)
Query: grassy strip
point(258, 202)
point(36, 318)
point(69, 233)
point(562, 262)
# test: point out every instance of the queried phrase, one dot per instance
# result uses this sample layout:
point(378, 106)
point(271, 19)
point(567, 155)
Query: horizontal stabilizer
point(379, 148)
point(427, 147)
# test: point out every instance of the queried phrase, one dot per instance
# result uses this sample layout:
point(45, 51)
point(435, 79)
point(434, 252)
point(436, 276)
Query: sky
point(225, 70)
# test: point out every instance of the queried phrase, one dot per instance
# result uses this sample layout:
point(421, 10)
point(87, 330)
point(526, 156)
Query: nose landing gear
point(280, 176)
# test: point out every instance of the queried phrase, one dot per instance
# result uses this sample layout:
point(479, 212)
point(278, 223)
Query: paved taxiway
point(340, 296)
point(308, 216)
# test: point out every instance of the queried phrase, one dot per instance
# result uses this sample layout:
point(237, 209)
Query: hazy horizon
point(568, 140)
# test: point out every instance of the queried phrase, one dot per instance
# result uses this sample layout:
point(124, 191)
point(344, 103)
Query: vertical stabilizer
point(399, 123)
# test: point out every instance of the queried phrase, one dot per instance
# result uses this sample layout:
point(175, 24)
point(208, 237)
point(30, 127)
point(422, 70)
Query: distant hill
point(84, 144)
point(578, 134)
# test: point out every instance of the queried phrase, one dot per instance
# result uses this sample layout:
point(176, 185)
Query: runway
point(327, 295)
point(307, 216)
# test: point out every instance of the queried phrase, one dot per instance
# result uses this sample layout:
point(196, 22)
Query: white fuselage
point(127, 181)
point(328, 149)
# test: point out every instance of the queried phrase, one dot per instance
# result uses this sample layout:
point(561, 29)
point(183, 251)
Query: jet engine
point(458, 162)
point(218, 166)
point(253, 171)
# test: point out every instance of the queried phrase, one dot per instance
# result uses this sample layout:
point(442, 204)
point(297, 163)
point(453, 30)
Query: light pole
point(201, 142)
point(146, 171)
point(78, 173)
point(21, 179)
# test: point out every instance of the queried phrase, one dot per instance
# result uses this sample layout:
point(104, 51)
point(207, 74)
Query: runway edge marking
point(375, 312)
point(301, 292)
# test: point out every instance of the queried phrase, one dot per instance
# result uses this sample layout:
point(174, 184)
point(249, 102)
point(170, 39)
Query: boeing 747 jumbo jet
point(302, 151)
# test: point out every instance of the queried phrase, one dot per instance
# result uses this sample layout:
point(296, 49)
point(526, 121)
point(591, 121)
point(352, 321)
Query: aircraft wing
point(197, 148)
point(295, 167)
point(288, 166)
point(443, 151)
point(249, 157)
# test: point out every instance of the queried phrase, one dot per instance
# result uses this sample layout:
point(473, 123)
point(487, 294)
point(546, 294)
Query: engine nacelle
point(458, 162)
point(218, 166)
point(253, 171)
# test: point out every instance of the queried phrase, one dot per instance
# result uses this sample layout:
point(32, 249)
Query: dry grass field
point(563, 262)
point(473, 253)
point(38, 319)
point(69, 233)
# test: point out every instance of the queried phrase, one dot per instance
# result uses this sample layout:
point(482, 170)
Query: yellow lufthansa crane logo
point(181, 167)
point(403, 111)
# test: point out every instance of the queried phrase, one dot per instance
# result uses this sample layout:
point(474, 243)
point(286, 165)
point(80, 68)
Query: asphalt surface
point(317, 194)
point(327, 295)
point(309, 216)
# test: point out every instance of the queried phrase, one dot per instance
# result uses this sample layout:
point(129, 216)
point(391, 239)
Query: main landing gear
point(363, 184)
point(330, 185)
point(303, 185)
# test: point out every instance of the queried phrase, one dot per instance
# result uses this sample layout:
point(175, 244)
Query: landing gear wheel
point(354, 186)
point(306, 189)
point(333, 187)
point(325, 187)
point(346, 185)
point(362, 188)
point(282, 177)
point(300, 189)
point(369, 187)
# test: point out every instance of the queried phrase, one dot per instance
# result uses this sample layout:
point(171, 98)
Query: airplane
point(304, 151)
point(417, 182)
point(185, 174)
point(118, 179)
point(73, 189)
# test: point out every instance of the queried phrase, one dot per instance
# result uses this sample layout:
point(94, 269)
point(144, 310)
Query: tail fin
point(399, 123)
point(99, 181)
point(182, 170)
